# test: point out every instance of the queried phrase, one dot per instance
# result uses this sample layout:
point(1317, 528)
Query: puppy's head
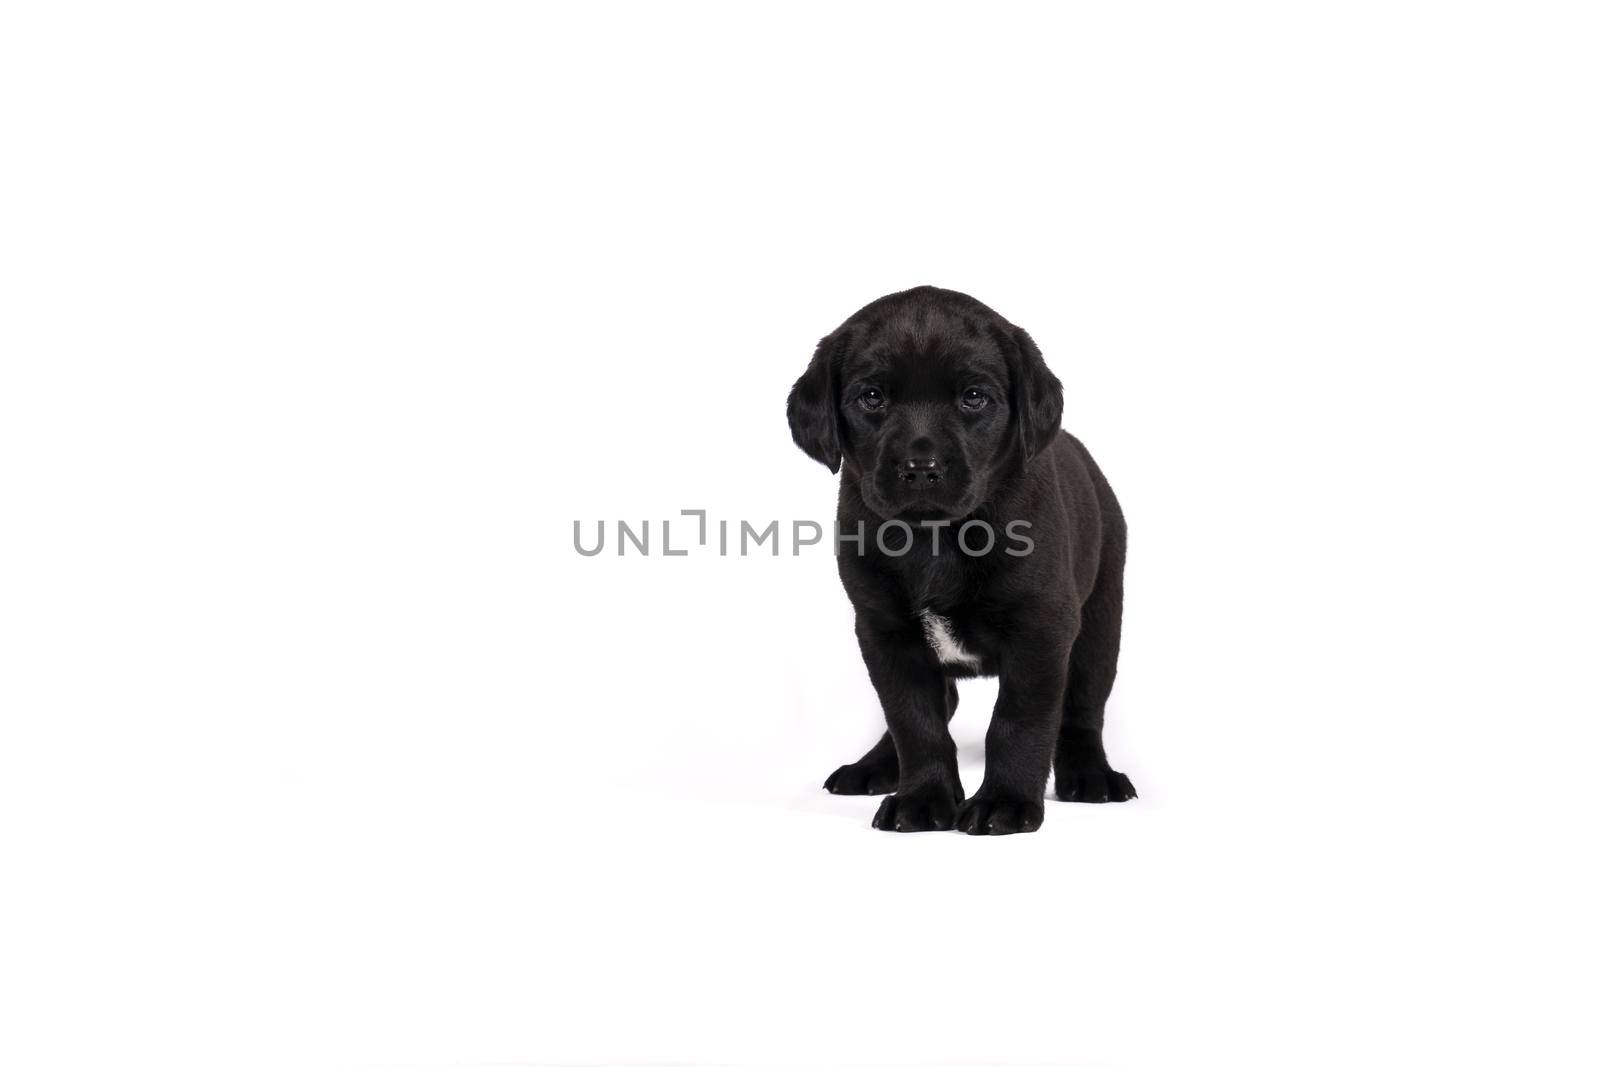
point(928, 396)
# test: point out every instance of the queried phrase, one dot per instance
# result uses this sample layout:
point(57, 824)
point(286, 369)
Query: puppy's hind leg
point(878, 771)
point(1082, 771)
point(875, 773)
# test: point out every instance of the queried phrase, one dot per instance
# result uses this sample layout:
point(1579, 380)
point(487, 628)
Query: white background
point(321, 325)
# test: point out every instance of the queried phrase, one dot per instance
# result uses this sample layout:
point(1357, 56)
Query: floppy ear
point(814, 405)
point(1036, 395)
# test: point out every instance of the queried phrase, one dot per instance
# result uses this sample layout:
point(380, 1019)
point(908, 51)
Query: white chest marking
point(936, 628)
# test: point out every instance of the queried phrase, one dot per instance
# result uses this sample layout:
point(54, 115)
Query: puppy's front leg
point(911, 687)
point(1022, 738)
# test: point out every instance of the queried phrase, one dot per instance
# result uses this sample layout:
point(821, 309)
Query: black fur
point(892, 398)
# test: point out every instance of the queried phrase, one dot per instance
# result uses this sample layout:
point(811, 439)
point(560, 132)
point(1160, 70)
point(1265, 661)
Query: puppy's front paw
point(864, 778)
point(999, 815)
point(923, 809)
point(1093, 785)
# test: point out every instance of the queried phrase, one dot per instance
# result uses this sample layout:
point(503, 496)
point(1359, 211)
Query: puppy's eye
point(871, 399)
point(974, 400)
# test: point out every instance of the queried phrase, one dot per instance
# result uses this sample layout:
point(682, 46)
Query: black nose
point(919, 472)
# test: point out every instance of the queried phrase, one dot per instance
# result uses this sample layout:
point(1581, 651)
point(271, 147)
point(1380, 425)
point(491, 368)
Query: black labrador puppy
point(975, 537)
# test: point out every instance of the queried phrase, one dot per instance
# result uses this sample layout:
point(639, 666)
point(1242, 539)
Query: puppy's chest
point(941, 636)
point(960, 645)
point(952, 625)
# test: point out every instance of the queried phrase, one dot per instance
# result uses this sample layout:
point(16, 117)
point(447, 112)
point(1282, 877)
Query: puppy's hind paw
point(863, 779)
point(1093, 785)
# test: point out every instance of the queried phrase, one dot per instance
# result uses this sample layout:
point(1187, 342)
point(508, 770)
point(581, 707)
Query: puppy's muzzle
point(921, 472)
